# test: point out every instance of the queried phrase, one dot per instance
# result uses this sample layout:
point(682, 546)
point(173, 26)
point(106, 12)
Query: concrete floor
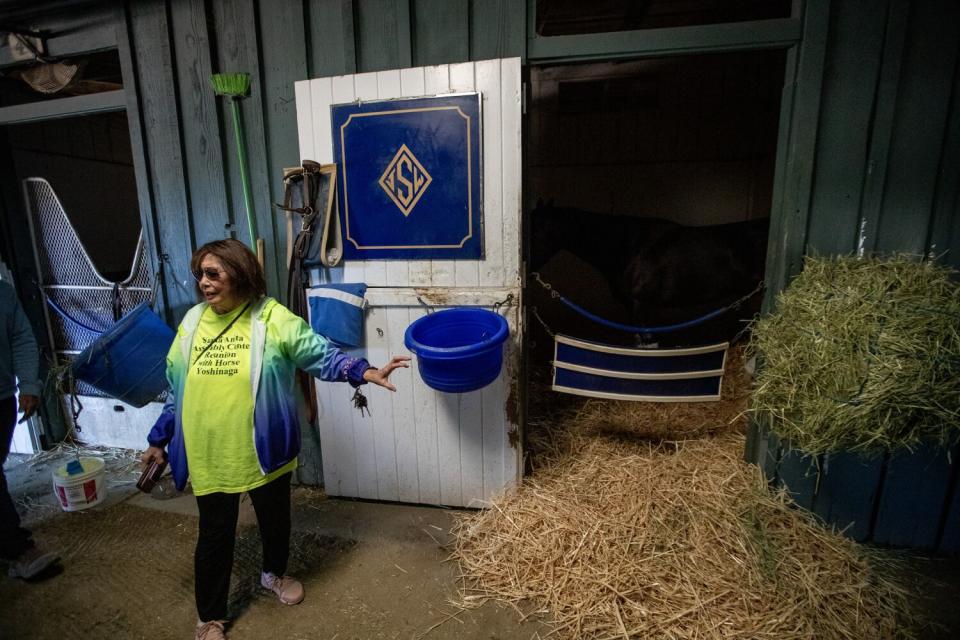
point(370, 570)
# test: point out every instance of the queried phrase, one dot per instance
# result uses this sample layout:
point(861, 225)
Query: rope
point(76, 407)
point(67, 316)
point(637, 329)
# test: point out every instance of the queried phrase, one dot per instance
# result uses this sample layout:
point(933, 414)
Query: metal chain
point(553, 292)
point(545, 327)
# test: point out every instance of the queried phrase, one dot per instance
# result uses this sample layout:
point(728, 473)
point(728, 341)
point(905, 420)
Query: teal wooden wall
point(173, 46)
point(870, 127)
point(873, 164)
point(873, 135)
point(189, 190)
point(886, 163)
point(869, 140)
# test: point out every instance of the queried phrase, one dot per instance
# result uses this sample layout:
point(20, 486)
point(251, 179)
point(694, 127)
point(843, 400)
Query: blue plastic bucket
point(129, 360)
point(458, 350)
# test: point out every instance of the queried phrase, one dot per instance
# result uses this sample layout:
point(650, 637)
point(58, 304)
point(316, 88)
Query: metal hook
point(425, 305)
point(506, 301)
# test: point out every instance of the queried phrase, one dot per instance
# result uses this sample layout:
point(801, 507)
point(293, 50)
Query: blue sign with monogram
point(409, 173)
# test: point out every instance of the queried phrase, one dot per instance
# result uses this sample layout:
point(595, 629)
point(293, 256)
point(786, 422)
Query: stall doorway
point(653, 184)
point(77, 171)
point(89, 164)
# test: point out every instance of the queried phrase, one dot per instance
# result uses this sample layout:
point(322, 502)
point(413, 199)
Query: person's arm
point(163, 429)
point(323, 359)
point(26, 361)
point(381, 376)
point(162, 432)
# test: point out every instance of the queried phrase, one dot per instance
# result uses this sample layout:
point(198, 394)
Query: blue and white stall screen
point(410, 178)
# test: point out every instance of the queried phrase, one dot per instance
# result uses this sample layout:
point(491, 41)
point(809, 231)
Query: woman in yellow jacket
point(232, 418)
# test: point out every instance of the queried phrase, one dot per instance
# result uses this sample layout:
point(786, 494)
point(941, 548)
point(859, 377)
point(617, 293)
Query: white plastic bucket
point(81, 490)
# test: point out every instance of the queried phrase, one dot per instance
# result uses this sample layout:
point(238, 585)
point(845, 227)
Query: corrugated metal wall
point(874, 165)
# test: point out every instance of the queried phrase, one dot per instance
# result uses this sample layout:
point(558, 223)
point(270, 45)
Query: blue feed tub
point(129, 360)
point(458, 350)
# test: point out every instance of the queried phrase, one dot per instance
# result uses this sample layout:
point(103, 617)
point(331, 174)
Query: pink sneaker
point(288, 590)
point(212, 630)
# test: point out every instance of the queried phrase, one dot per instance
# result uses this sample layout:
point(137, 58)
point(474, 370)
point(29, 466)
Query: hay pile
point(617, 536)
point(861, 354)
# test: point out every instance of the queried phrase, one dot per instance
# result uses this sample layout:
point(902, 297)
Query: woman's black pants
point(213, 559)
point(14, 539)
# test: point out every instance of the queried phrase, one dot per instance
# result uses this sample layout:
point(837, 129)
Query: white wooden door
point(419, 445)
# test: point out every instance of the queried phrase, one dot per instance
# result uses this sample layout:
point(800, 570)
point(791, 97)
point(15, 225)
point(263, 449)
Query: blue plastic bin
point(129, 360)
point(458, 350)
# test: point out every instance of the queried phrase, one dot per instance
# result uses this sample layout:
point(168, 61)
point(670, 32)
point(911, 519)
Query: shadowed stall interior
point(653, 181)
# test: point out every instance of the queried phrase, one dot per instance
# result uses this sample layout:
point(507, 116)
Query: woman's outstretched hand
point(380, 376)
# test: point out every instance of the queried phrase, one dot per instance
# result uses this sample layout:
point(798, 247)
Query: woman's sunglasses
point(213, 275)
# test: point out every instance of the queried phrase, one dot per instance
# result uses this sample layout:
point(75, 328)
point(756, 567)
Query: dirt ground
point(369, 570)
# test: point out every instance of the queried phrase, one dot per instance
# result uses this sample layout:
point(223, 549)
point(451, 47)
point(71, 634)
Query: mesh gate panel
point(70, 280)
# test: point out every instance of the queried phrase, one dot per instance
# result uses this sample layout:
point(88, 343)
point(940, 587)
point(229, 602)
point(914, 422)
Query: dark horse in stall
point(663, 272)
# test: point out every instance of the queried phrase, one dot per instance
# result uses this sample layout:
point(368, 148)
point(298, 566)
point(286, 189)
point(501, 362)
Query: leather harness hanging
point(309, 190)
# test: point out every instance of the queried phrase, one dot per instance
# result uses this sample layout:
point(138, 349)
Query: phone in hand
point(150, 476)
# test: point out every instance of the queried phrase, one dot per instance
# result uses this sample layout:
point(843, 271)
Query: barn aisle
point(370, 570)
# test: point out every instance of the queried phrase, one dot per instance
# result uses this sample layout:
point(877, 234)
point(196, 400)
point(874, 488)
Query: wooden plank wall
point(419, 445)
point(871, 153)
point(192, 186)
point(873, 165)
point(187, 168)
point(500, 266)
point(885, 171)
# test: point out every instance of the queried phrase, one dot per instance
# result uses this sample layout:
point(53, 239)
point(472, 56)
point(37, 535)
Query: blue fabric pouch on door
point(336, 312)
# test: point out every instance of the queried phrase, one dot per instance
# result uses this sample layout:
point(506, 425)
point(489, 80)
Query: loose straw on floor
point(617, 536)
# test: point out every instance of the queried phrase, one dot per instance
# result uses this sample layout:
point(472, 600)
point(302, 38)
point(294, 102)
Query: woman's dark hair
point(238, 261)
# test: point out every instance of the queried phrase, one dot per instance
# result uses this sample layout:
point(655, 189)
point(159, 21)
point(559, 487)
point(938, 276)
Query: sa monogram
point(405, 180)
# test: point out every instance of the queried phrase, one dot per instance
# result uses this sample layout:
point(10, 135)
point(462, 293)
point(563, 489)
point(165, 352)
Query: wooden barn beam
point(733, 36)
point(64, 107)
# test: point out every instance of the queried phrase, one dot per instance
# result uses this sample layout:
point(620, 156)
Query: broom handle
point(244, 178)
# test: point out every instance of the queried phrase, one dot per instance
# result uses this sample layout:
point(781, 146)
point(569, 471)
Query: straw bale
point(861, 354)
point(622, 534)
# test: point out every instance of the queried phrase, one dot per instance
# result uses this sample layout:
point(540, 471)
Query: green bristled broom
point(236, 86)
